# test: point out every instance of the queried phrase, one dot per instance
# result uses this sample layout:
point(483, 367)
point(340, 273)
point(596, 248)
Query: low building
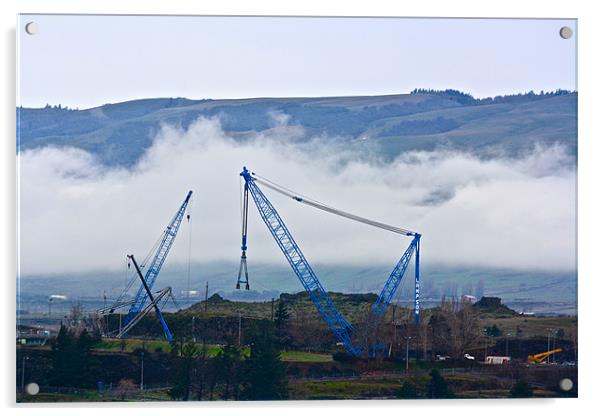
point(496, 360)
point(32, 339)
point(469, 299)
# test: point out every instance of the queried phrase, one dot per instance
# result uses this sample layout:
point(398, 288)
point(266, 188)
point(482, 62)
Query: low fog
point(77, 215)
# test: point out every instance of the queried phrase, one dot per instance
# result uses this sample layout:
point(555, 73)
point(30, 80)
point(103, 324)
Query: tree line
point(236, 372)
point(467, 99)
point(231, 375)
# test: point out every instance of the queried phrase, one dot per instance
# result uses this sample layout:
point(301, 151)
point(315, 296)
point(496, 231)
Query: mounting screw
point(31, 28)
point(566, 32)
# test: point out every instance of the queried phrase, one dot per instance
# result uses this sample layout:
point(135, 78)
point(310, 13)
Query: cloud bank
point(77, 215)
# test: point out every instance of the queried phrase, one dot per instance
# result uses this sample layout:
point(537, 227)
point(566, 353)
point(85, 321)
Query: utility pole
point(425, 344)
point(142, 371)
point(548, 357)
point(206, 294)
point(554, 347)
point(192, 330)
point(486, 343)
point(23, 374)
point(408, 352)
point(104, 296)
point(507, 344)
point(394, 329)
point(239, 327)
point(272, 309)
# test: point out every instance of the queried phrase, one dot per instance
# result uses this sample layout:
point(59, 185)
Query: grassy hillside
point(352, 306)
point(119, 133)
point(355, 307)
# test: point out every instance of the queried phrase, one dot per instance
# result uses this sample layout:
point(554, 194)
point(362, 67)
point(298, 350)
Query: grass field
point(130, 345)
point(305, 357)
point(94, 396)
point(533, 326)
point(466, 385)
point(151, 345)
point(343, 389)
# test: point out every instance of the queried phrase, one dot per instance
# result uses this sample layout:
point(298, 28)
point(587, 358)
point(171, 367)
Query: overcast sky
point(86, 61)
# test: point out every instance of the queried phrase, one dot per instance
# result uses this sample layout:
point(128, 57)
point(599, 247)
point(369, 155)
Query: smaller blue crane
point(154, 304)
point(144, 292)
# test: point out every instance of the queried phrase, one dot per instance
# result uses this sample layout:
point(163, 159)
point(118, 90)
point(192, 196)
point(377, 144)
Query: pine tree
point(521, 389)
point(183, 373)
point(407, 391)
point(228, 368)
point(265, 378)
point(83, 360)
point(64, 370)
point(281, 317)
point(438, 388)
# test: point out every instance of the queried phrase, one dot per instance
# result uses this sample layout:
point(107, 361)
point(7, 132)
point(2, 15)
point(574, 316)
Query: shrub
point(521, 389)
point(407, 391)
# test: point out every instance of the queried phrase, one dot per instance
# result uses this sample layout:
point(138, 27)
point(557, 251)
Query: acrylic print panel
point(273, 208)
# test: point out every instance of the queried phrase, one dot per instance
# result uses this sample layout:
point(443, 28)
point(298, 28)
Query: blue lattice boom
point(342, 329)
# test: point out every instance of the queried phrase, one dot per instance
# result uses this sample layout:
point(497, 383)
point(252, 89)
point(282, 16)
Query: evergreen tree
point(227, 364)
point(64, 372)
point(493, 331)
point(73, 364)
point(177, 346)
point(281, 317)
point(407, 391)
point(203, 375)
point(84, 362)
point(265, 378)
point(183, 372)
point(438, 388)
point(521, 389)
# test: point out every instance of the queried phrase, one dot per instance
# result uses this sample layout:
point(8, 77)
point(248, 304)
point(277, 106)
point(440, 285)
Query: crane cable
point(316, 204)
point(240, 202)
point(153, 249)
point(134, 277)
point(128, 285)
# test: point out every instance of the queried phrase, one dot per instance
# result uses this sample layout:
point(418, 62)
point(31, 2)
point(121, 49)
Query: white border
point(590, 208)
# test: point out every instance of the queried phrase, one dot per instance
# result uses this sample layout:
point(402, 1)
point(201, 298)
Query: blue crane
point(154, 304)
point(154, 268)
point(342, 329)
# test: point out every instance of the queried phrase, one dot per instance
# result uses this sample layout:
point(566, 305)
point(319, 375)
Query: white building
point(469, 299)
point(496, 360)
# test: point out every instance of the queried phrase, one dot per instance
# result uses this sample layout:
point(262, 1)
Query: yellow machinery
point(541, 357)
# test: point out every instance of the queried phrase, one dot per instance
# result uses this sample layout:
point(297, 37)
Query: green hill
point(351, 305)
point(423, 120)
